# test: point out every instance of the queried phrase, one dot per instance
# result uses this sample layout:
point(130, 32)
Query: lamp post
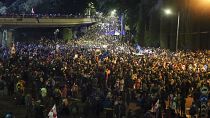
point(177, 32)
point(169, 12)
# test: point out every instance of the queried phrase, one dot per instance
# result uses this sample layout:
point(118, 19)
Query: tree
point(47, 6)
point(3, 8)
point(67, 34)
point(137, 14)
point(23, 6)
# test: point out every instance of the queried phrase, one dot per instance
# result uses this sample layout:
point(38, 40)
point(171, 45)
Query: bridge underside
point(9, 25)
point(43, 26)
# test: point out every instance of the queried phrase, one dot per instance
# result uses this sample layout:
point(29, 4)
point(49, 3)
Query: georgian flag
point(155, 106)
point(53, 113)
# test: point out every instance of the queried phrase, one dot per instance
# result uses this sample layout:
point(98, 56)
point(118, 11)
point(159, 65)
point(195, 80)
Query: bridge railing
point(62, 16)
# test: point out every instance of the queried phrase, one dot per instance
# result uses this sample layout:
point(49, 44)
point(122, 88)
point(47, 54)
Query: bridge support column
point(75, 34)
point(6, 37)
point(1, 38)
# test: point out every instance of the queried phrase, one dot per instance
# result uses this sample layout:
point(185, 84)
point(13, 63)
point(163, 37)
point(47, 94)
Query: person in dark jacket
point(39, 110)
point(193, 110)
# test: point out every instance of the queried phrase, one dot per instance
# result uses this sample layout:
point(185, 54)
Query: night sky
point(44, 6)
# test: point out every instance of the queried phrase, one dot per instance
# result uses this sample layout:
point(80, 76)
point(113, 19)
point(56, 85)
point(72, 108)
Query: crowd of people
point(100, 74)
point(32, 15)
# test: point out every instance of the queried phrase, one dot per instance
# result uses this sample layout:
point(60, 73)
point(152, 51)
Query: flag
point(53, 112)
point(32, 11)
point(156, 106)
point(104, 55)
point(138, 48)
point(122, 24)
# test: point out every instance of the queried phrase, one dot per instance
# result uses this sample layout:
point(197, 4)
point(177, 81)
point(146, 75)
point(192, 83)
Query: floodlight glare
point(168, 11)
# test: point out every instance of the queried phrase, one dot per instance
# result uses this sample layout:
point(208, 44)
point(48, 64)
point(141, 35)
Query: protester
point(103, 73)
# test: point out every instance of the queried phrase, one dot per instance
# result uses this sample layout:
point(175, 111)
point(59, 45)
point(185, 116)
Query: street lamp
point(169, 12)
point(207, 2)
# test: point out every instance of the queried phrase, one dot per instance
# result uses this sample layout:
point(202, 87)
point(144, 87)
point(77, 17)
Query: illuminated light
point(200, 5)
point(205, 4)
point(117, 33)
point(205, 1)
point(105, 46)
point(113, 12)
point(168, 11)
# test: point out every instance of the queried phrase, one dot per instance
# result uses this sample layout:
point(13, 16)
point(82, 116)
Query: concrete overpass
point(8, 25)
point(44, 22)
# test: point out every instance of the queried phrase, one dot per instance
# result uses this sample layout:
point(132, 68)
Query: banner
point(53, 113)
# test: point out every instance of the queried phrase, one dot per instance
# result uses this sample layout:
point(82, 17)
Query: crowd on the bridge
point(86, 79)
point(32, 15)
